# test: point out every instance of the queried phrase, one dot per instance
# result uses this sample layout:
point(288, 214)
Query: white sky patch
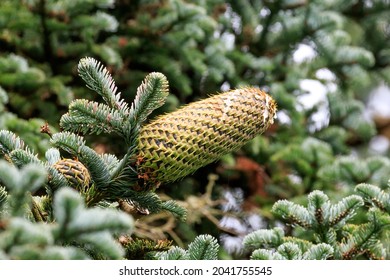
point(225, 86)
point(233, 223)
point(228, 40)
point(316, 93)
point(379, 102)
point(232, 244)
point(379, 145)
point(255, 221)
point(304, 53)
point(283, 117)
point(316, 96)
point(295, 179)
point(329, 77)
point(233, 200)
point(326, 75)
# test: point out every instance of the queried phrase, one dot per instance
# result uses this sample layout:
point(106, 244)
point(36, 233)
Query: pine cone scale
point(178, 143)
point(74, 171)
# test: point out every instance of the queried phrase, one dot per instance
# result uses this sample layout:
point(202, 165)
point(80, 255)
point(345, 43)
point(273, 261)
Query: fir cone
point(177, 144)
point(75, 173)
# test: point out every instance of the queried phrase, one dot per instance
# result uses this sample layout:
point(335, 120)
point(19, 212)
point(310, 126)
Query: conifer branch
point(9, 142)
point(56, 180)
point(264, 254)
point(344, 210)
point(111, 161)
point(91, 117)
point(263, 238)
point(22, 157)
point(291, 248)
point(178, 211)
point(303, 244)
point(204, 247)
point(151, 94)
point(365, 237)
point(290, 251)
point(295, 213)
point(138, 248)
point(318, 204)
point(123, 174)
point(319, 252)
point(175, 253)
point(100, 80)
point(52, 155)
point(68, 142)
point(88, 226)
point(146, 200)
point(20, 184)
point(374, 195)
point(96, 166)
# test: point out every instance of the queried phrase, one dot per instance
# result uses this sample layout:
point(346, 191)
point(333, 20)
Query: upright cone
point(177, 144)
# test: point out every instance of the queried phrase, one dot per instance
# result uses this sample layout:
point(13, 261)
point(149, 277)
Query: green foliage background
point(203, 47)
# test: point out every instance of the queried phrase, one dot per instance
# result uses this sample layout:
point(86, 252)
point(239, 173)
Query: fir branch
point(32, 176)
point(303, 244)
point(318, 204)
point(23, 157)
point(9, 142)
point(91, 117)
point(204, 247)
point(47, 36)
point(111, 161)
point(100, 80)
point(37, 210)
point(352, 55)
point(86, 221)
point(151, 94)
point(144, 200)
point(20, 184)
point(319, 252)
point(290, 251)
point(28, 178)
point(264, 254)
point(23, 232)
point(375, 196)
point(75, 221)
point(141, 249)
point(295, 213)
point(344, 210)
point(123, 170)
point(329, 236)
point(56, 180)
point(264, 238)
point(178, 211)
point(62, 253)
point(68, 142)
point(52, 155)
point(103, 243)
point(175, 253)
point(96, 167)
point(377, 251)
point(148, 200)
point(365, 236)
point(3, 98)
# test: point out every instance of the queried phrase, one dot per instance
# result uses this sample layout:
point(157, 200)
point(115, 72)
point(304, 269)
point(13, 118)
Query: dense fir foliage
point(315, 185)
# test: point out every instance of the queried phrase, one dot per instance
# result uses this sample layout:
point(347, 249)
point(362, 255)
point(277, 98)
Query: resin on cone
point(177, 144)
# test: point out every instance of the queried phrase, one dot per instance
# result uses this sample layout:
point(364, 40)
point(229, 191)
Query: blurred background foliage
point(326, 63)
